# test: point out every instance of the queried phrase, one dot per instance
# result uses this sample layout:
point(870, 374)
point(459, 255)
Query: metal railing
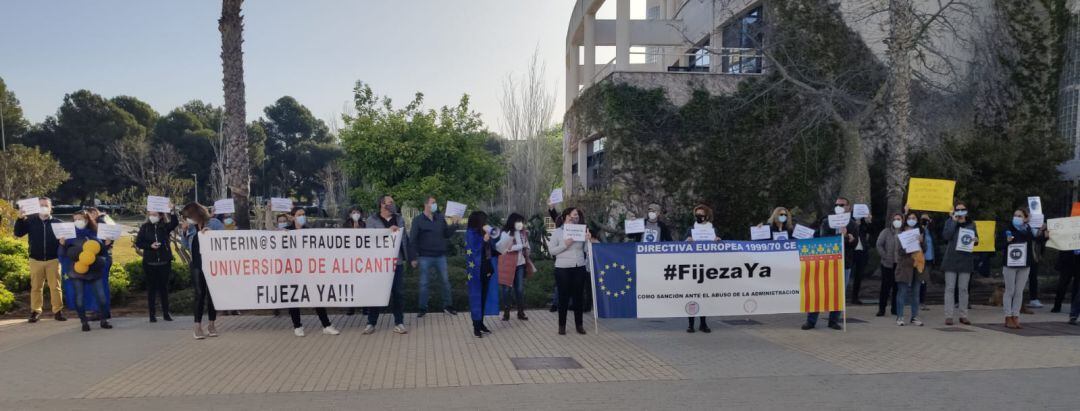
point(740, 61)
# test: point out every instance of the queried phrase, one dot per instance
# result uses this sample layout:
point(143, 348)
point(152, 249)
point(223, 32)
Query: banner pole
point(843, 262)
point(592, 284)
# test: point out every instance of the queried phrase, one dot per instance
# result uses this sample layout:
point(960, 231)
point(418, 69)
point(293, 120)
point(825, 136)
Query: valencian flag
point(615, 267)
point(822, 283)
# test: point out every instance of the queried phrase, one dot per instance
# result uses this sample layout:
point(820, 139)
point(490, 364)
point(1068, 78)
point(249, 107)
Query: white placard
point(635, 226)
point(158, 204)
point(574, 232)
point(64, 230)
point(278, 204)
point(1037, 221)
point(780, 236)
point(225, 206)
point(109, 231)
point(703, 234)
point(1016, 255)
point(965, 240)
point(556, 196)
point(839, 221)
point(1035, 205)
point(455, 209)
point(803, 232)
point(861, 211)
point(30, 206)
point(910, 241)
point(760, 233)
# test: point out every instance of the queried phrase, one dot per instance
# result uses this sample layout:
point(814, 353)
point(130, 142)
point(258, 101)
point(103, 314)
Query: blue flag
point(615, 268)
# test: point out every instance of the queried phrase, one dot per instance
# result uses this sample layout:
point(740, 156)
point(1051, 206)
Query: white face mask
point(839, 210)
point(300, 221)
point(154, 219)
point(80, 224)
point(228, 221)
point(355, 216)
point(897, 223)
point(282, 225)
point(652, 216)
point(45, 213)
point(519, 226)
point(912, 223)
point(782, 219)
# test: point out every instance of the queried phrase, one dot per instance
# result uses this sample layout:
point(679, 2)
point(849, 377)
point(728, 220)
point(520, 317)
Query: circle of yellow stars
point(615, 269)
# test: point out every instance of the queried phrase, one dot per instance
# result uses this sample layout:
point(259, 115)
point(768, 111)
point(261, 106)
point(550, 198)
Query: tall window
point(596, 177)
point(742, 40)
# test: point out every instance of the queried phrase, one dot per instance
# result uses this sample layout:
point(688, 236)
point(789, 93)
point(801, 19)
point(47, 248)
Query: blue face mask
point(1018, 222)
point(434, 207)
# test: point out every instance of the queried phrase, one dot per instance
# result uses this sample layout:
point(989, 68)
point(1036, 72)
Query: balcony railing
point(741, 61)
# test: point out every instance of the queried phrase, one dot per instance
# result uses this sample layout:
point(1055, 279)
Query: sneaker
point(449, 311)
point(400, 329)
point(199, 334)
point(421, 314)
point(167, 317)
point(211, 331)
point(105, 325)
point(59, 316)
point(964, 320)
point(900, 322)
point(34, 317)
point(948, 321)
point(330, 330)
point(86, 326)
point(299, 332)
point(368, 329)
point(153, 319)
point(1036, 304)
point(916, 322)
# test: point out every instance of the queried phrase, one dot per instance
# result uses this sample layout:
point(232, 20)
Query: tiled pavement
point(259, 354)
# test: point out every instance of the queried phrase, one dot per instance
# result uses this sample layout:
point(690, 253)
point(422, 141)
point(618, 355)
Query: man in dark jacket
point(153, 240)
point(44, 266)
point(851, 238)
point(655, 230)
point(428, 239)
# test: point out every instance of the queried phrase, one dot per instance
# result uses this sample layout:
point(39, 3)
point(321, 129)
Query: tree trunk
point(855, 180)
point(231, 26)
point(900, 47)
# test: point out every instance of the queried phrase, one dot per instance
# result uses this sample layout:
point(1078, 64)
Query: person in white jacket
point(570, 273)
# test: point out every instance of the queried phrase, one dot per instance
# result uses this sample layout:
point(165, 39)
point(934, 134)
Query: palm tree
point(231, 26)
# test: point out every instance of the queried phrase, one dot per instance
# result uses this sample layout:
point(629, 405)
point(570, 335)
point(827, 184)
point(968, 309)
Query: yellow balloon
point(92, 246)
point(81, 268)
point(86, 258)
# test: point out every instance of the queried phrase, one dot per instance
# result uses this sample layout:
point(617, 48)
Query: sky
point(167, 52)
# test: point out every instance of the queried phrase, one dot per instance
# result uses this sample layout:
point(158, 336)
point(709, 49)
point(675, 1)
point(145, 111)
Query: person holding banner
point(86, 246)
point(960, 235)
point(354, 219)
point(428, 238)
point(888, 248)
point(570, 270)
point(781, 223)
point(387, 217)
point(44, 265)
point(655, 229)
point(197, 219)
point(907, 263)
point(515, 264)
point(299, 218)
point(478, 260)
point(153, 240)
point(1018, 247)
point(703, 217)
point(852, 238)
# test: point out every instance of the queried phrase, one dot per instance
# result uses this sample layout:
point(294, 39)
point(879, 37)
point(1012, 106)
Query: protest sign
point(455, 209)
point(985, 231)
point(225, 206)
point(839, 221)
point(780, 236)
point(760, 233)
point(910, 241)
point(930, 195)
point(283, 205)
point(64, 230)
point(1016, 255)
point(803, 232)
point(109, 231)
point(636, 226)
point(703, 234)
point(249, 269)
point(861, 211)
point(556, 196)
point(725, 278)
point(158, 204)
point(1035, 205)
point(574, 232)
point(1037, 220)
point(29, 206)
point(1064, 233)
point(966, 240)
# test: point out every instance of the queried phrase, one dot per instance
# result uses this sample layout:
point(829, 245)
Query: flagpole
point(592, 281)
point(843, 249)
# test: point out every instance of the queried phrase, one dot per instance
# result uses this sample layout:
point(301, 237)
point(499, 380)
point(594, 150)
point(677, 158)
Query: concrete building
point(680, 46)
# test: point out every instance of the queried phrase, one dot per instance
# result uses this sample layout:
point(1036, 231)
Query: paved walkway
point(641, 364)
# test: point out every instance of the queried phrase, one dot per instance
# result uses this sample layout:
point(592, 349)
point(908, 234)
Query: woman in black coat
point(153, 240)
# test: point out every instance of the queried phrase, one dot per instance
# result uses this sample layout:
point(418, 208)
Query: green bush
point(538, 289)
point(136, 276)
point(7, 299)
point(15, 271)
point(119, 284)
point(179, 278)
point(182, 302)
point(13, 246)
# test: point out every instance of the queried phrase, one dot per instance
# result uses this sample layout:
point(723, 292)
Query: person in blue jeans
point(388, 217)
point(428, 239)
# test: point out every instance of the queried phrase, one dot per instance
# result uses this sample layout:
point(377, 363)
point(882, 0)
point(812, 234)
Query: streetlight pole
point(196, 176)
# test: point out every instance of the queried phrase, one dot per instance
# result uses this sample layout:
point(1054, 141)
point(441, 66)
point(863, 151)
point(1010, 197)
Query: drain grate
point(545, 363)
point(741, 322)
point(1039, 329)
point(955, 330)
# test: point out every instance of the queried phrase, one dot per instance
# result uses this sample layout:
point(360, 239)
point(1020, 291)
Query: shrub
point(135, 273)
point(119, 284)
point(179, 278)
point(15, 271)
point(13, 246)
point(182, 302)
point(7, 299)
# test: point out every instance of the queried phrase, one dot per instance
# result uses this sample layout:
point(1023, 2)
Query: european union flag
point(616, 277)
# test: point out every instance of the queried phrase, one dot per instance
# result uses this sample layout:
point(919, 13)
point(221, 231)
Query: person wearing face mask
point(571, 274)
point(153, 240)
point(781, 223)
point(197, 219)
point(888, 247)
point(429, 239)
point(1018, 235)
point(353, 219)
point(703, 217)
point(86, 232)
point(299, 221)
point(227, 220)
point(856, 246)
point(478, 246)
point(99, 218)
point(515, 264)
point(655, 229)
point(907, 267)
point(44, 265)
point(388, 218)
point(852, 237)
point(957, 265)
point(925, 223)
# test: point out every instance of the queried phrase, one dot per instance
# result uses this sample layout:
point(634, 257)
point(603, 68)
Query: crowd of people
point(505, 254)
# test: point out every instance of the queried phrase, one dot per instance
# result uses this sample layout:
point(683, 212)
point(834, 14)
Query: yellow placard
point(926, 194)
point(986, 230)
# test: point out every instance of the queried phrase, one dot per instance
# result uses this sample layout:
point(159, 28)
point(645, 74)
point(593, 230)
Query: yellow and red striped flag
point(822, 283)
